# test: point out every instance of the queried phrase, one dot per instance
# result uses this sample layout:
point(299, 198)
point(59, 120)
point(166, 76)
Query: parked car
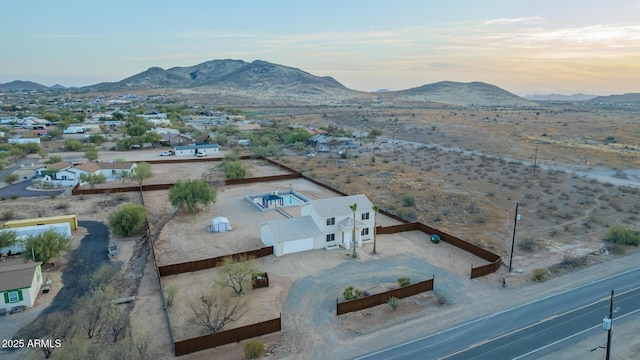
point(201, 154)
point(166, 153)
point(323, 149)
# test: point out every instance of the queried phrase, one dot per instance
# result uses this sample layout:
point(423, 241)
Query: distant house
point(192, 150)
point(19, 285)
point(248, 126)
point(24, 140)
point(324, 223)
point(178, 139)
point(111, 170)
point(64, 174)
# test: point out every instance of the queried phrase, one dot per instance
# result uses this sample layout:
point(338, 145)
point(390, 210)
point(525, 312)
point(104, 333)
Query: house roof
point(293, 229)
point(347, 223)
point(339, 206)
point(115, 165)
point(196, 146)
point(89, 167)
point(58, 165)
point(17, 276)
point(248, 127)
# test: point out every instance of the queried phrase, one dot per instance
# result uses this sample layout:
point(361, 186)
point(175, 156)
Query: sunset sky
point(525, 47)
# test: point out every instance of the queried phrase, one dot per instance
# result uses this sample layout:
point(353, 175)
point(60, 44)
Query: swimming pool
point(276, 199)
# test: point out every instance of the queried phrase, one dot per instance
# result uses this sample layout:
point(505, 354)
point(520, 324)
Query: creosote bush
point(539, 275)
point(254, 349)
point(393, 302)
point(404, 281)
point(621, 235)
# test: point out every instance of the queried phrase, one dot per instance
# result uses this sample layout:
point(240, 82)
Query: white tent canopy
point(221, 224)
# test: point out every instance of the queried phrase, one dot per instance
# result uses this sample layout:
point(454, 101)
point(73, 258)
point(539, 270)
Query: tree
point(235, 271)
point(8, 237)
point(94, 309)
point(190, 194)
point(136, 129)
point(45, 246)
point(373, 134)
point(53, 159)
point(214, 310)
point(72, 145)
point(93, 179)
point(234, 170)
point(56, 327)
point(96, 139)
point(353, 208)
point(90, 152)
point(117, 324)
point(11, 178)
point(152, 137)
point(375, 208)
point(141, 172)
point(127, 219)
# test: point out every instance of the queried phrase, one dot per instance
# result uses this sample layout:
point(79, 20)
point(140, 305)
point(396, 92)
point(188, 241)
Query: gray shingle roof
point(17, 276)
point(294, 228)
point(339, 206)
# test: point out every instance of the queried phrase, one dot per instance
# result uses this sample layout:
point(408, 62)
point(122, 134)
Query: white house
point(24, 140)
point(111, 170)
point(19, 285)
point(186, 150)
point(291, 235)
point(65, 174)
point(23, 232)
point(324, 223)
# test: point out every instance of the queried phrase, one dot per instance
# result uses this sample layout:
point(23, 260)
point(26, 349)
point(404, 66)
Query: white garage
point(294, 246)
point(290, 236)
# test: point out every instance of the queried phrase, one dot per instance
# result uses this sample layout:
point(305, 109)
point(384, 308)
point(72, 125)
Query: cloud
point(67, 36)
point(525, 20)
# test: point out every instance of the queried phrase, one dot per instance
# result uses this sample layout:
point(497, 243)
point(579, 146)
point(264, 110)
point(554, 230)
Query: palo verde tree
point(353, 208)
point(8, 237)
point(215, 309)
point(93, 179)
point(141, 172)
point(127, 219)
point(46, 246)
point(191, 193)
point(90, 152)
point(235, 271)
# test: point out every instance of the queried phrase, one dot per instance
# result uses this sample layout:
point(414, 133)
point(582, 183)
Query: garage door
point(294, 246)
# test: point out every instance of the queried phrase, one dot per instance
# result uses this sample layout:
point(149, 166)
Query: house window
point(13, 296)
point(64, 177)
point(331, 237)
point(365, 216)
point(331, 221)
point(364, 231)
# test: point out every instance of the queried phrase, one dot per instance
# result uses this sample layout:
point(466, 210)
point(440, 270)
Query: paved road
point(513, 333)
point(20, 189)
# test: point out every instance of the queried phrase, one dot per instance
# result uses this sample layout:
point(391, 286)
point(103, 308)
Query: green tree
point(93, 179)
point(619, 234)
point(46, 246)
point(234, 170)
point(53, 159)
point(191, 193)
point(8, 237)
point(127, 219)
point(136, 129)
point(235, 271)
point(152, 137)
point(141, 172)
point(353, 208)
point(375, 209)
point(72, 145)
point(11, 178)
point(96, 139)
point(373, 134)
point(117, 116)
point(90, 152)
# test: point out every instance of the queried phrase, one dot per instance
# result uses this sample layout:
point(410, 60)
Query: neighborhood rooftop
point(340, 205)
point(17, 276)
point(294, 228)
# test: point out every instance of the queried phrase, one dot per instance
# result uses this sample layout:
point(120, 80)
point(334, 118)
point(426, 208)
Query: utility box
point(606, 324)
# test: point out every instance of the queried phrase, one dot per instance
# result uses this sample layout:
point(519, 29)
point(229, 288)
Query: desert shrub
point(404, 281)
point(349, 293)
point(539, 275)
point(14, 196)
point(393, 302)
point(528, 245)
point(619, 234)
point(63, 206)
point(359, 293)
point(569, 263)
point(128, 219)
point(8, 215)
point(408, 200)
point(254, 349)
point(170, 294)
point(11, 178)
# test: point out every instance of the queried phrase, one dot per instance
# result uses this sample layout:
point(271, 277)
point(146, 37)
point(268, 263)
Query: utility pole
point(535, 160)
point(513, 239)
point(610, 326)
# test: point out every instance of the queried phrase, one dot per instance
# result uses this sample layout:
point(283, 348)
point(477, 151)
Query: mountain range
point(236, 82)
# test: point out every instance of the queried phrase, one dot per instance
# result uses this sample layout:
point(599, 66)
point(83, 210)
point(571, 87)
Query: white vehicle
point(201, 154)
point(323, 149)
point(166, 153)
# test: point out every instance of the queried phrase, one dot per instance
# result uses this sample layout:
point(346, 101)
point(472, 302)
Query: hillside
point(618, 99)
point(463, 94)
point(559, 97)
point(21, 85)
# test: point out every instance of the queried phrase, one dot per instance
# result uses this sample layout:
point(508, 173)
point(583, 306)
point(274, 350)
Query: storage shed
point(221, 224)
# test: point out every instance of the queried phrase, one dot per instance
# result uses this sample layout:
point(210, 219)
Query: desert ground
point(460, 170)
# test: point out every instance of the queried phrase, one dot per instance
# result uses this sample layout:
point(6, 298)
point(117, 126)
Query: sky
point(523, 46)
